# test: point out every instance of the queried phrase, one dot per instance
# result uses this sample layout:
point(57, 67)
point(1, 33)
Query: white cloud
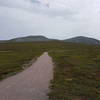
point(53, 18)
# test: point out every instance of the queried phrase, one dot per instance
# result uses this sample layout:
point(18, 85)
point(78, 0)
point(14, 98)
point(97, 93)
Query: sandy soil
point(31, 84)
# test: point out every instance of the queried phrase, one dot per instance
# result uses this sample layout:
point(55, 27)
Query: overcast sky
point(52, 18)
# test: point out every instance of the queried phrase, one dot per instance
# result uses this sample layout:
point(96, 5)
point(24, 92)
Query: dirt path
point(31, 84)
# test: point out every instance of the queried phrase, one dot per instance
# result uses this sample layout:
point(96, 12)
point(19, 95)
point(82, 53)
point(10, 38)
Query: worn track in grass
point(31, 84)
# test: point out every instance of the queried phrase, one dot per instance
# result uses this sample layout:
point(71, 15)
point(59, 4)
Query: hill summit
point(40, 38)
point(84, 40)
point(30, 39)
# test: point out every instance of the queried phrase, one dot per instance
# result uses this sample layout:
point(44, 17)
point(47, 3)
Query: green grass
point(76, 71)
point(13, 56)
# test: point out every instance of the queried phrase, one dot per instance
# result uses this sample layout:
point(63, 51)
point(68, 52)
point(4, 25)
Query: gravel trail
point(31, 84)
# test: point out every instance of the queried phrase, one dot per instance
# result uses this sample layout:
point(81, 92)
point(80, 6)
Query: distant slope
point(82, 39)
point(2, 41)
point(39, 38)
point(30, 39)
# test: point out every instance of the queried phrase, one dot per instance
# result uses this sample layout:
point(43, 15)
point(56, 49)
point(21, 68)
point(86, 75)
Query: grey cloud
point(35, 1)
point(53, 18)
point(36, 7)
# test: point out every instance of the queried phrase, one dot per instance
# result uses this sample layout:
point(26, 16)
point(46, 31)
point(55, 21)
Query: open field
point(76, 72)
point(13, 56)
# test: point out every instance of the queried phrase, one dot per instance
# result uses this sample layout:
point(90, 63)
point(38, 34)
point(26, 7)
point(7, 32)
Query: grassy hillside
point(84, 40)
point(76, 72)
point(30, 39)
point(14, 55)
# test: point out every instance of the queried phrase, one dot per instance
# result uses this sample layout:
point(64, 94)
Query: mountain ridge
point(40, 38)
point(83, 39)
